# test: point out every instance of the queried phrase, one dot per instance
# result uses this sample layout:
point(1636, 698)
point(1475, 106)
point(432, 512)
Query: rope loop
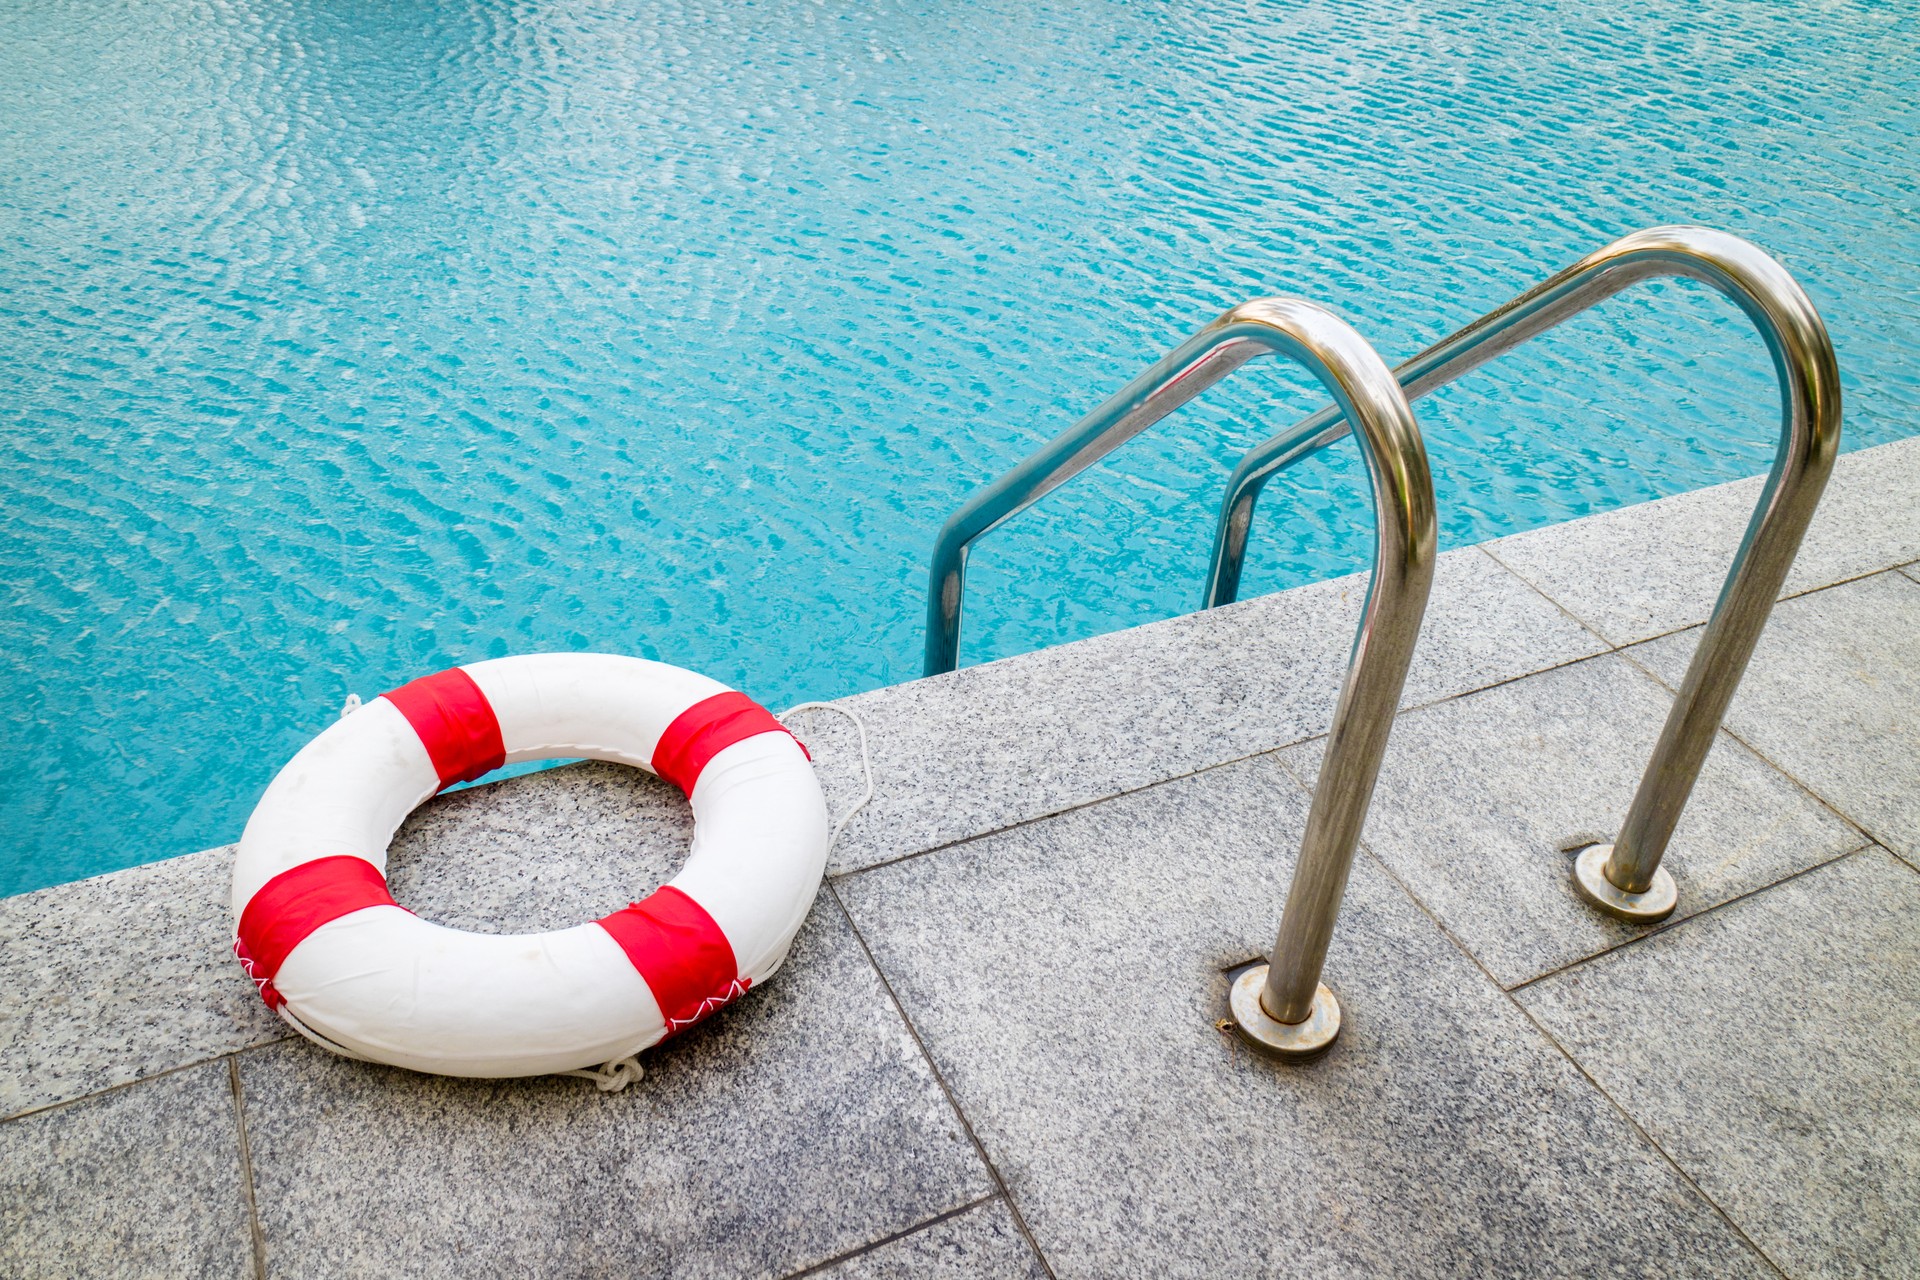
point(866, 761)
point(614, 1076)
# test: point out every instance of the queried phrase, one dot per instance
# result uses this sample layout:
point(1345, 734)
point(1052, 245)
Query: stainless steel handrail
point(1281, 1007)
point(1625, 878)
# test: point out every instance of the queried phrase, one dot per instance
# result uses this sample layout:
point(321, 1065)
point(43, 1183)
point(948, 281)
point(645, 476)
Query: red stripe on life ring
point(707, 728)
point(455, 722)
point(684, 958)
point(296, 902)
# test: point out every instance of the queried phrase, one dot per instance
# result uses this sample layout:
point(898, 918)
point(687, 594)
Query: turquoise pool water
point(343, 342)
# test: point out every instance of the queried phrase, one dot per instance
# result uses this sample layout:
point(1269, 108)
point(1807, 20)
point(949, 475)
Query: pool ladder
point(1281, 1006)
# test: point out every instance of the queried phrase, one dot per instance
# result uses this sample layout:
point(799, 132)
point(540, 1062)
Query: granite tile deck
point(985, 747)
point(981, 1243)
point(1793, 1017)
point(120, 977)
point(1005, 1061)
point(140, 1181)
point(1444, 1137)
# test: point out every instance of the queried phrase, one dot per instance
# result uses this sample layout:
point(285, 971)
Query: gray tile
point(988, 746)
point(1476, 796)
point(1769, 1047)
point(142, 1181)
point(1648, 569)
point(1067, 976)
point(119, 977)
point(1832, 696)
point(981, 1244)
point(797, 1125)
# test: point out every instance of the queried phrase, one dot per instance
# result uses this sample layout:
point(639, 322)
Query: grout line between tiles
point(1393, 876)
point(1315, 736)
point(1631, 1120)
point(1424, 706)
point(128, 1084)
point(1479, 689)
point(1841, 582)
point(246, 1170)
point(1648, 1138)
point(1671, 923)
point(1830, 806)
point(870, 1246)
point(1624, 645)
point(1796, 595)
point(1019, 823)
point(1806, 788)
point(1899, 857)
point(1866, 840)
point(953, 1100)
point(1628, 653)
point(1844, 818)
point(1486, 548)
point(1508, 994)
point(1421, 904)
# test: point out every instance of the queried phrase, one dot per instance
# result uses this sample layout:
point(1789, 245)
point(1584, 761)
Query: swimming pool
point(341, 343)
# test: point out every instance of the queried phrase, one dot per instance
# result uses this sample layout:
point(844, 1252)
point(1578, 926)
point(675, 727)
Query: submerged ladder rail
point(1625, 878)
point(1280, 1007)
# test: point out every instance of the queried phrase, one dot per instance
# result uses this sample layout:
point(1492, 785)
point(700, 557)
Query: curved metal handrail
point(1290, 997)
point(1810, 434)
point(1253, 329)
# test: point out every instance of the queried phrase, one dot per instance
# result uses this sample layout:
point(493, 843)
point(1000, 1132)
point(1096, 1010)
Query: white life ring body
point(332, 952)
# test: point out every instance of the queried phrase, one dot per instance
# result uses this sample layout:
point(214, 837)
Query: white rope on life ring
point(345, 965)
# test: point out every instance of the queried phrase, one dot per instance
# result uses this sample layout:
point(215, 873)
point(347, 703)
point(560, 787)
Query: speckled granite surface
point(989, 746)
point(1443, 1137)
point(982, 1243)
point(143, 1181)
point(1794, 1019)
point(120, 977)
point(1005, 1061)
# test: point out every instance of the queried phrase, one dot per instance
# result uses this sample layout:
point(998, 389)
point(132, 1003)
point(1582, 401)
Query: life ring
point(340, 960)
